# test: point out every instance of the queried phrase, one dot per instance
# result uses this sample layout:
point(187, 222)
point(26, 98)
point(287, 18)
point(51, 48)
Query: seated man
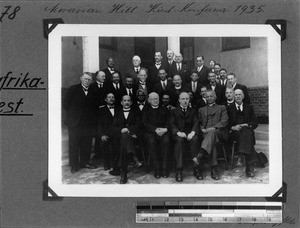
point(155, 119)
point(242, 122)
point(184, 126)
point(105, 117)
point(213, 121)
point(125, 127)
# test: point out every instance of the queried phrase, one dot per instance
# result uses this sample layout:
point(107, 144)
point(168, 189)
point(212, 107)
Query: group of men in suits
point(167, 104)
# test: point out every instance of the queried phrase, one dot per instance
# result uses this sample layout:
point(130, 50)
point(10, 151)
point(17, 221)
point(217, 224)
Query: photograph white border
point(163, 190)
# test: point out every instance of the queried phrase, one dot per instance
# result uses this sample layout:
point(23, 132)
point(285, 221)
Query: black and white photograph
point(164, 110)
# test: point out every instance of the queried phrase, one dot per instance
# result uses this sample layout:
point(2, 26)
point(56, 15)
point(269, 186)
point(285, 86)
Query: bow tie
point(111, 69)
point(111, 107)
point(141, 103)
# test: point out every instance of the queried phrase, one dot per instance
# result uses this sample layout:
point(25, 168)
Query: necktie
point(239, 108)
point(163, 85)
point(194, 87)
point(130, 93)
point(137, 71)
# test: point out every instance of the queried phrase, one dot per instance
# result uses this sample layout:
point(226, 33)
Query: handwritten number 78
point(249, 9)
point(11, 13)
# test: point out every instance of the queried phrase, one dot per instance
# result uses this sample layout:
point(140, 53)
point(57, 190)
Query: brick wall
point(260, 101)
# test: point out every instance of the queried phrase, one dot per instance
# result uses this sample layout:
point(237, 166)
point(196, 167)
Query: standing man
point(110, 69)
point(134, 70)
point(180, 69)
point(171, 63)
point(125, 128)
point(201, 70)
point(217, 68)
point(99, 88)
point(143, 82)
point(202, 101)
point(80, 105)
point(155, 120)
point(130, 89)
point(163, 85)
point(100, 93)
point(116, 88)
point(105, 119)
point(154, 69)
point(194, 85)
point(242, 122)
point(223, 77)
point(213, 122)
point(184, 127)
point(219, 89)
point(232, 83)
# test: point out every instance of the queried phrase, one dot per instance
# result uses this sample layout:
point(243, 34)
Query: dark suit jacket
point(158, 88)
point(184, 73)
point(80, 108)
point(133, 122)
point(203, 75)
point(148, 86)
point(108, 76)
point(133, 96)
point(199, 104)
point(245, 90)
point(250, 117)
point(155, 118)
point(100, 93)
point(153, 72)
point(169, 67)
point(104, 121)
point(131, 74)
point(183, 122)
point(197, 94)
point(220, 92)
point(118, 93)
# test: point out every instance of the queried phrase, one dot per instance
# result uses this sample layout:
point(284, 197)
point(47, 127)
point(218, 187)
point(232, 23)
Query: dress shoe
point(197, 173)
point(123, 179)
point(89, 166)
point(165, 173)
point(178, 176)
point(157, 173)
point(215, 173)
point(138, 165)
point(73, 170)
point(115, 172)
point(196, 161)
point(250, 171)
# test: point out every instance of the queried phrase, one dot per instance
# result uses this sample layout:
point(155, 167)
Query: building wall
point(250, 64)
point(72, 63)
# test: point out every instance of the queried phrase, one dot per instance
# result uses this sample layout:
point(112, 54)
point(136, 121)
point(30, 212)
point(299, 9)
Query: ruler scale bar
point(208, 212)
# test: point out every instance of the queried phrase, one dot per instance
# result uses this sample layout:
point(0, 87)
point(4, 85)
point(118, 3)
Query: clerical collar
point(211, 104)
point(126, 109)
point(230, 102)
point(154, 107)
point(178, 87)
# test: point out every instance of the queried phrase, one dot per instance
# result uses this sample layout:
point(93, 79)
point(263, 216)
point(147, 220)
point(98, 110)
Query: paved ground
point(139, 176)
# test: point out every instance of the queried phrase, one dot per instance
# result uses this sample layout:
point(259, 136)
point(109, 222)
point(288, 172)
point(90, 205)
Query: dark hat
point(262, 159)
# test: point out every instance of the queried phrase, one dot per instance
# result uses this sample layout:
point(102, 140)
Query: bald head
point(100, 77)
